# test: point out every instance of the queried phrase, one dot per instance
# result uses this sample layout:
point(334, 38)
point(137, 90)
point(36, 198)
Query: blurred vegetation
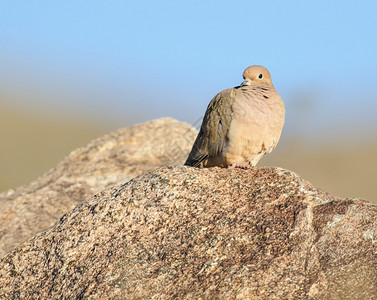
point(334, 166)
point(33, 143)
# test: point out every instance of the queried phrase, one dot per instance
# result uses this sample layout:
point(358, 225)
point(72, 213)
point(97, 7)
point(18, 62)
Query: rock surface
point(187, 233)
point(108, 160)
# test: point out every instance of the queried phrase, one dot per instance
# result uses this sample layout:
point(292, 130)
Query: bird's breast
point(256, 126)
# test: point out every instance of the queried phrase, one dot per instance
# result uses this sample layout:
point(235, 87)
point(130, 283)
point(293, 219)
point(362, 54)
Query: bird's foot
point(235, 166)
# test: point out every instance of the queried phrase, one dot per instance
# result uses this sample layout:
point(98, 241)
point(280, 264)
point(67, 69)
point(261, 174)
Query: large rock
point(108, 160)
point(187, 233)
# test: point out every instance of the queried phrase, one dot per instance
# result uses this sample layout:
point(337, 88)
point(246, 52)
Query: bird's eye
point(260, 76)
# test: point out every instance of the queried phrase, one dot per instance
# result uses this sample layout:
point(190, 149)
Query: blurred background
point(71, 71)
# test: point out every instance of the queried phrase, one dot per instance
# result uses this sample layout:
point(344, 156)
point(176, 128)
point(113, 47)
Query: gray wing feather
point(213, 135)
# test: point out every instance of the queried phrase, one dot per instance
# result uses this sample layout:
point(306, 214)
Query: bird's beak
point(246, 82)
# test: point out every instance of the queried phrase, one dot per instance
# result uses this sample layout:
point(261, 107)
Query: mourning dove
point(241, 124)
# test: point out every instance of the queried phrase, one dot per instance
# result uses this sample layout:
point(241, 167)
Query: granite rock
point(188, 233)
point(108, 160)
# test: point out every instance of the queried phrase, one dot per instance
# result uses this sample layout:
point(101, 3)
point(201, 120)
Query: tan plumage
point(241, 124)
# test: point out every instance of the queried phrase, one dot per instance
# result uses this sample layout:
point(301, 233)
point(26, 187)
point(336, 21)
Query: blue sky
point(131, 61)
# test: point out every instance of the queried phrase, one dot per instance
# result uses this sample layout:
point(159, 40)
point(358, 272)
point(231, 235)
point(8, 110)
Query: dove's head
point(256, 75)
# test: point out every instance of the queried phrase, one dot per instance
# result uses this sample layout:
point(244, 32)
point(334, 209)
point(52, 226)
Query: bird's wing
point(213, 135)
